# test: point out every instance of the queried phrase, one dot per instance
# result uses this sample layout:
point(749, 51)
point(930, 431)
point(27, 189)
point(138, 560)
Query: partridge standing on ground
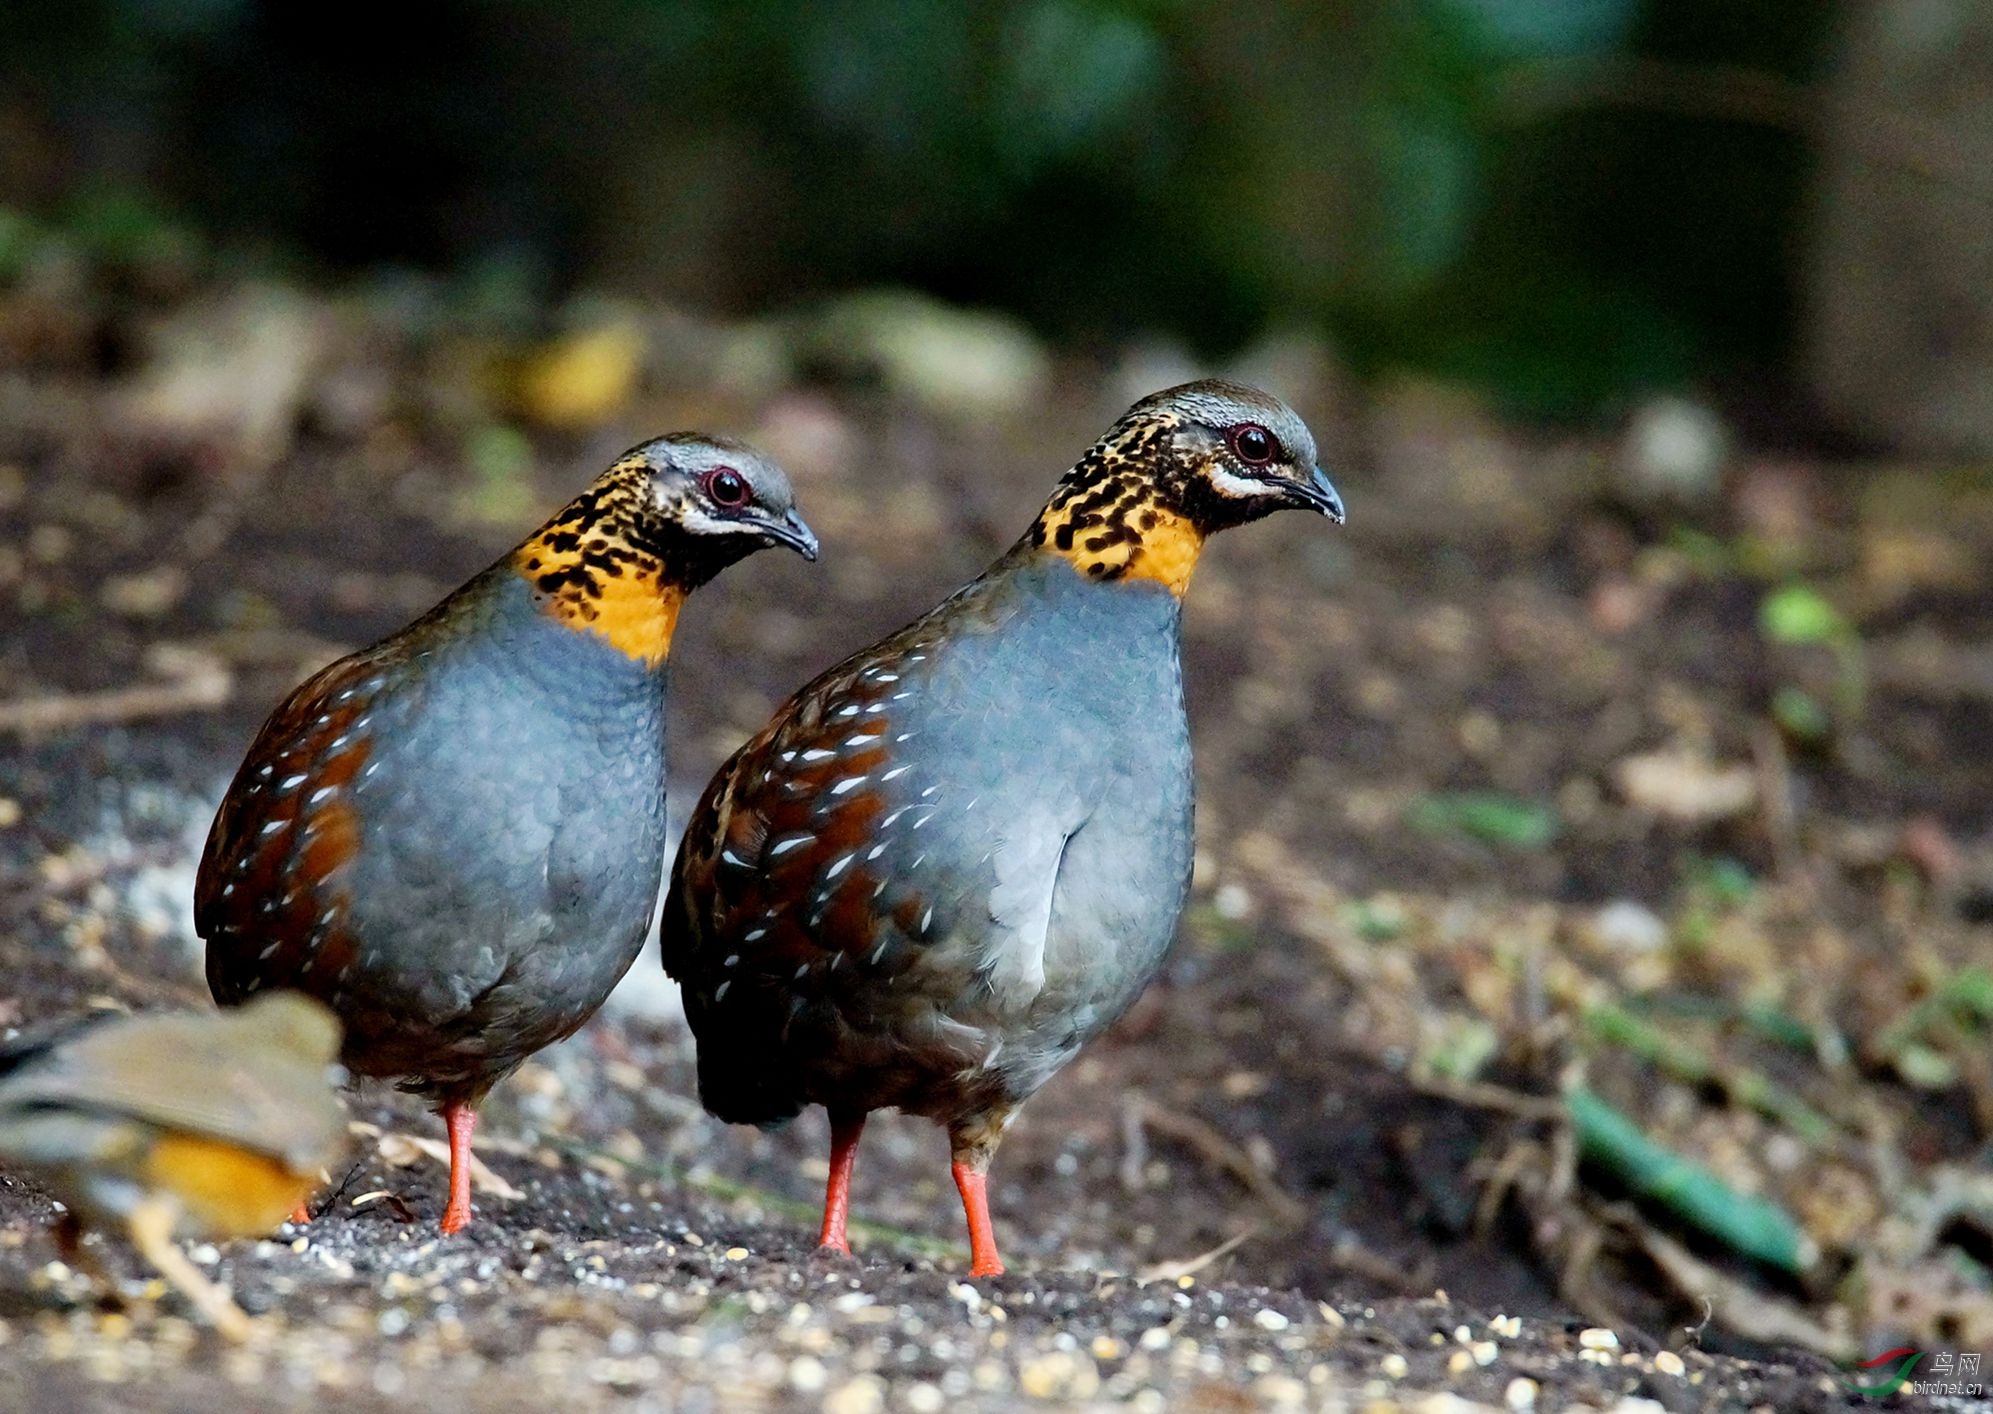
point(455, 838)
point(956, 857)
point(177, 1124)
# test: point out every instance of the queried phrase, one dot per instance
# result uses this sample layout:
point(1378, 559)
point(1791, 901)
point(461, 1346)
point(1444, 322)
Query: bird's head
point(619, 559)
point(1229, 454)
point(712, 501)
point(1177, 467)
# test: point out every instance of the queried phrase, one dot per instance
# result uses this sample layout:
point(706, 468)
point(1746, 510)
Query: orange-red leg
point(460, 1119)
point(844, 1132)
point(973, 1183)
point(301, 1214)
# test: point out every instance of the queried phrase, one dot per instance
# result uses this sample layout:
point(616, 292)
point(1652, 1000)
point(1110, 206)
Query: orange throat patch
point(598, 584)
point(1130, 537)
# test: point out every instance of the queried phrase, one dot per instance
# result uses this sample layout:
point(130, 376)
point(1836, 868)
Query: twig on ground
point(327, 1201)
point(1134, 1149)
point(1693, 1334)
point(194, 682)
point(1215, 1146)
point(1191, 1266)
point(1506, 1175)
point(1745, 1309)
point(68, 872)
point(293, 650)
point(1351, 1255)
point(1481, 1095)
point(1775, 797)
point(1584, 1239)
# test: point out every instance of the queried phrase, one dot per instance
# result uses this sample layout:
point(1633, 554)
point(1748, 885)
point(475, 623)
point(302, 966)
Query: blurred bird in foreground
point(455, 838)
point(177, 1125)
point(955, 858)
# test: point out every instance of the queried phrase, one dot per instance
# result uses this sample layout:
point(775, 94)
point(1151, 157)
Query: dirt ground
point(1545, 784)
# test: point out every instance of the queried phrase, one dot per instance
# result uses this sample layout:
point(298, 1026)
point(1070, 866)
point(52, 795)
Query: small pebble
point(1280, 1391)
point(1232, 902)
point(1270, 1320)
point(1669, 1363)
point(864, 1395)
point(1626, 926)
point(1521, 1393)
point(736, 1254)
point(1393, 1366)
point(1598, 1338)
point(970, 1298)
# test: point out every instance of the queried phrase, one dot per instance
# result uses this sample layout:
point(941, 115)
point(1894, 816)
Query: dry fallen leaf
point(232, 371)
point(583, 378)
point(1683, 784)
point(406, 1150)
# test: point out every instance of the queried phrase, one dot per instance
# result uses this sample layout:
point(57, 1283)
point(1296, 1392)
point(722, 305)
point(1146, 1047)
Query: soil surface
point(1512, 791)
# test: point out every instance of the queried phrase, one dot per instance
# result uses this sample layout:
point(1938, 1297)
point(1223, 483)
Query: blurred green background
point(1566, 202)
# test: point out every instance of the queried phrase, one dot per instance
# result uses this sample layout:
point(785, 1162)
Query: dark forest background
point(1567, 202)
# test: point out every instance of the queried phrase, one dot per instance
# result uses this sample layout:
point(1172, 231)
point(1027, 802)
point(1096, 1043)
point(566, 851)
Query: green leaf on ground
point(1462, 1047)
point(1376, 920)
point(1685, 1061)
point(1797, 614)
point(1800, 714)
point(1489, 816)
point(1966, 998)
point(1755, 1227)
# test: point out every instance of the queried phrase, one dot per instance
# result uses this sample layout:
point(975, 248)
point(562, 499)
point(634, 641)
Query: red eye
point(1253, 444)
point(727, 487)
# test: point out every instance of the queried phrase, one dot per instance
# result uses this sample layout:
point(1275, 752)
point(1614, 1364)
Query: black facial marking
point(622, 528)
point(1152, 475)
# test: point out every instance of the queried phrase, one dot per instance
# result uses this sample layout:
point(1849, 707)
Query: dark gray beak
point(1317, 494)
point(792, 532)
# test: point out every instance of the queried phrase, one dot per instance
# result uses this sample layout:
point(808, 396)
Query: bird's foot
point(151, 1226)
point(844, 1133)
point(460, 1119)
point(973, 1184)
